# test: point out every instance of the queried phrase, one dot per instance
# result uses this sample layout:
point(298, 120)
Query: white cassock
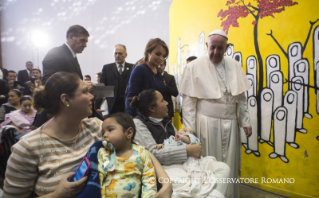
point(215, 106)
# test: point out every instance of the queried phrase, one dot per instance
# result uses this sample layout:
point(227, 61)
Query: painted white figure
point(252, 69)
point(230, 51)
point(294, 54)
point(238, 57)
point(182, 65)
point(267, 103)
point(316, 59)
point(201, 44)
point(276, 84)
point(290, 102)
point(298, 87)
point(253, 139)
point(272, 64)
point(178, 52)
point(280, 127)
point(251, 90)
point(301, 68)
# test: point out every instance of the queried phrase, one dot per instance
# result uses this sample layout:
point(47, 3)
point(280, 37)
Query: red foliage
point(238, 9)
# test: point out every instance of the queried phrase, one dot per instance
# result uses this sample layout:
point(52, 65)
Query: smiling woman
point(146, 75)
point(48, 154)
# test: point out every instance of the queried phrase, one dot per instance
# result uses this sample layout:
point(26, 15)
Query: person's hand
point(159, 146)
point(32, 127)
point(90, 85)
point(178, 137)
point(194, 150)
point(248, 131)
point(69, 189)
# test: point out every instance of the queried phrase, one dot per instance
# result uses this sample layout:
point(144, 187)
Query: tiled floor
point(251, 192)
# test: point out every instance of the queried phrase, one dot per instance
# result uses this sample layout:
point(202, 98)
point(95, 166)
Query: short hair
point(36, 69)
point(121, 45)
point(99, 74)
point(88, 76)
point(58, 84)
point(151, 45)
point(123, 119)
point(144, 101)
point(164, 62)
point(77, 30)
point(11, 71)
point(28, 62)
point(191, 58)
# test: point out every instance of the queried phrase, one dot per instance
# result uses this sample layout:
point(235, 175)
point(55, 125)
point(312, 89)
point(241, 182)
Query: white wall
point(109, 22)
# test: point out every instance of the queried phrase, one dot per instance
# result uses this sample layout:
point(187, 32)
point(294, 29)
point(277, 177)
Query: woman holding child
point(154, 127)
point(42, 161)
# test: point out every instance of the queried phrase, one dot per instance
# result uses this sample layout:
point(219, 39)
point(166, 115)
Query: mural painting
point(283, 74)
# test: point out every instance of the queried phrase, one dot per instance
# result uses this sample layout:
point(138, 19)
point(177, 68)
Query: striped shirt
point(38, 161)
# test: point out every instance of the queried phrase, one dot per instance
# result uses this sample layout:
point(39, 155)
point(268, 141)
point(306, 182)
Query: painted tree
point(261, 8)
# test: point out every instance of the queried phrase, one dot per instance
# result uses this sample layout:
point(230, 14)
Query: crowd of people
point(129, 138)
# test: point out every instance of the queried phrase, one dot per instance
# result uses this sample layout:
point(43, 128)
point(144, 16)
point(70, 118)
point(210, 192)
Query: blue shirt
point(142, 78)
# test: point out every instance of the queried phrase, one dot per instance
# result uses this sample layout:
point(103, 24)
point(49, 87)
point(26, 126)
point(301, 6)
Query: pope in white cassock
point(215, 105)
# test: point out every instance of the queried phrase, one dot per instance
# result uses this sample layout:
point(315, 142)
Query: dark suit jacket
point(171, 90)
point(23, 76)
point(110, 77)
point(60, 59)
point(4, 90)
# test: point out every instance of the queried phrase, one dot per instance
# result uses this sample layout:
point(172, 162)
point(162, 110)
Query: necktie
point(120, 69)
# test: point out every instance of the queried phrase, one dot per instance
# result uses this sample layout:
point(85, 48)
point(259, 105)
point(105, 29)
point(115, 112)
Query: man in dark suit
point(117, 74)
point(24, 75)
point(171, 88)
point(64, 58)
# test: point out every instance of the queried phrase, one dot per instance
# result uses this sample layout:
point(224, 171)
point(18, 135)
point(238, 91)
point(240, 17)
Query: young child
point(201, 181)
point(125, 169)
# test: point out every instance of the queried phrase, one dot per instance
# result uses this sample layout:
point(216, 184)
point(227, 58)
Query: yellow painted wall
point(188, 18)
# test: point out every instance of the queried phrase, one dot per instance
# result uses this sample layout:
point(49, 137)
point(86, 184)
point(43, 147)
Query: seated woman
point(146, 75)
point(153, 127)
point(41, 162)
point(13, 103)
point(23, 118)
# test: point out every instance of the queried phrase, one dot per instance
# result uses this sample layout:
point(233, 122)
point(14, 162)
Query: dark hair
point(23, 98)
point(191, 58)
point(88, 76)
point(77, 30)
point(144, 101)
point(151, 45)
point(28, 62)
point(36, 69)
point(17, 92)
point(11, 71)
point(122, 46)
point(99, 74)
point(164, 62)
point(124, 120)
point(58, 84)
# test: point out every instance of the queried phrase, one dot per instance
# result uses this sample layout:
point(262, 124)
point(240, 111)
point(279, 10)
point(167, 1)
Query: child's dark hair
point(24, 98)
point(125, 120)
point(144, 101)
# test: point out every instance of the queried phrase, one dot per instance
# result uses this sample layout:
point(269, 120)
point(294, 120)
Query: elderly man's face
point(216, 46)
point(161, 67)
point(29, 66)
point(36, 74)
point(77, 43)
point(11, 76)
point(119, 54)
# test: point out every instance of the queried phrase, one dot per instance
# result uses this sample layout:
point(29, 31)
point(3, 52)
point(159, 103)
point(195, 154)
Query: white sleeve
point(189, 112)
point(242, 111)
